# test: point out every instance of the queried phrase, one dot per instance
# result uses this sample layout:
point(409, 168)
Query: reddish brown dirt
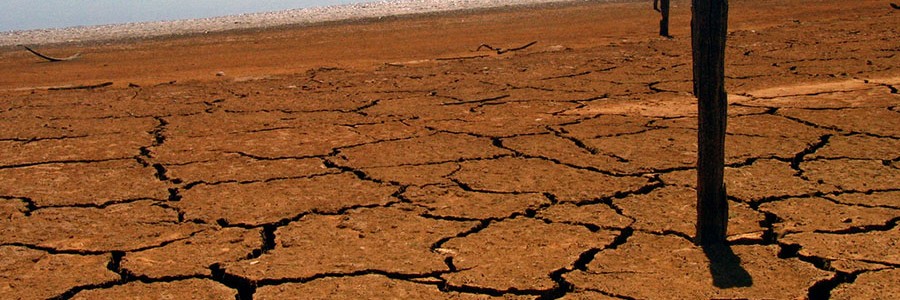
point(379, 159)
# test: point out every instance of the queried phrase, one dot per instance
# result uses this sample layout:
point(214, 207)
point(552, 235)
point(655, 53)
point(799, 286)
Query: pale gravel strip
point(304, 16)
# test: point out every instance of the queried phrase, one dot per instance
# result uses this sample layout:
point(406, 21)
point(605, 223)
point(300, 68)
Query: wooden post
point(662, 6)
point(709, 26)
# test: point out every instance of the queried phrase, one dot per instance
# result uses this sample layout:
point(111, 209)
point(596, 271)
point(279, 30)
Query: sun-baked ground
point(395, 159)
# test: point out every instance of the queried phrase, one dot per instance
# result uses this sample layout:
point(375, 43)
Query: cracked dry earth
point(549, 172)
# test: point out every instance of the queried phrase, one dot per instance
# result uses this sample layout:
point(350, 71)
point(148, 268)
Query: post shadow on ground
point(725, 267)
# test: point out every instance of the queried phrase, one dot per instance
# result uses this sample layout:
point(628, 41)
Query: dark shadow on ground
point(726, 268)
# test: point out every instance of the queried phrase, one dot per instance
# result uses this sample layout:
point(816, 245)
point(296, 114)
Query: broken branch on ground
point(50, 58)
point(503, 50)
point(80, 87)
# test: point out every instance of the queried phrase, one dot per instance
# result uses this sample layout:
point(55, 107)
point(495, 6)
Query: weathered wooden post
point(662, 6)
point(709, 26)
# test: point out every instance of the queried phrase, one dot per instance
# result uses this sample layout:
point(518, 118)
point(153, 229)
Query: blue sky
point(30, 14)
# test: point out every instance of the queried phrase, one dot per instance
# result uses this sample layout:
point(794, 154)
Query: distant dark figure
point(662, 6)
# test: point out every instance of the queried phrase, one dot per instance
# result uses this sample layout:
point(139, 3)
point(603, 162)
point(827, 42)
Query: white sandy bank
point(258, 20)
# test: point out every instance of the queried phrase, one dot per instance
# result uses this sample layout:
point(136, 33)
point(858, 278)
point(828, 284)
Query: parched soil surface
point(394, 159)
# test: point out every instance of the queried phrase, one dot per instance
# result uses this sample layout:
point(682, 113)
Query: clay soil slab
point(663, 106)
point(605, 126)
point(414, 175)
point(300, 142)
point(36, 127)
point(769, 179)
point(597, 86)
point(755, 136)
point(469, 91)
point(262, 95)
point(83, 183)
point(810, 89)
point(91, 148)
point(853, 175)
point(662, 109)
point(508, 119)
point(484, 260)
point(157, 108)
point(269, 202)
point(878, 121)
point(566, 151)
point(596, 215)
point(651, 150)
point(193, 256)
point(818, 214)
point(385, 239)
point(764, 179)
point(740, 148)
point(873, 285)
point(453, 202)
point(860, 147)
point(424, 108)
point(73, 104)
point(220, 122)
point(381, 130)
point(438, 148)
point(674, 209)
point(362, 287)
point(118, 227)
point(540, 176)
point(850, 266)
point(109, 103)
point(885, 199)
point(237, 168)
point(772, 126)
point(33, 274)
point(313, 139)
point(866, 96)
point(667, 267)
point(12, 208)
point(873, 247)
point(538, 94)
point(190, 91)
point(193, 289)
point(758, 136)
point(587, 295)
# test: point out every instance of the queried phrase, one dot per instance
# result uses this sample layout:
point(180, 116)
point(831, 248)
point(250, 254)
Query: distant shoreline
point(295, 17)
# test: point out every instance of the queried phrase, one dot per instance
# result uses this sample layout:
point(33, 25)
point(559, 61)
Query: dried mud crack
point(414, 168)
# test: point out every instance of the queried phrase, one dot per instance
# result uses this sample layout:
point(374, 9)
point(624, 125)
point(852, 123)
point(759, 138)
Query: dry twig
point(80, 87)
point(50, 58)
point(502, 50)
point(460, 57)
